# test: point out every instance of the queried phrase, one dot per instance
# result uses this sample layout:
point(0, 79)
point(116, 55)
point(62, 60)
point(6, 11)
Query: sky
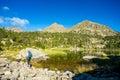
point(32, 15)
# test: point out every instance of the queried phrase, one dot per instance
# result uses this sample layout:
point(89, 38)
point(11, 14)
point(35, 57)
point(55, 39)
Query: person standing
point(29, 56)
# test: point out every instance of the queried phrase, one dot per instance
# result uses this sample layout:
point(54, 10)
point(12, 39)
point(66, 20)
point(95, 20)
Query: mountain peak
point(88, 22)
point(14, 29)
point(55, 27)
point(89, 27)
point(55, 23)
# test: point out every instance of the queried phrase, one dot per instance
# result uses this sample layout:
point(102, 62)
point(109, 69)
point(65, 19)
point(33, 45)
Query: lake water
point(74, 60)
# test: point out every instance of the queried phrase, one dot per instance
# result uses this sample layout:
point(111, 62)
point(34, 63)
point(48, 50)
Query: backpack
point(29, 54)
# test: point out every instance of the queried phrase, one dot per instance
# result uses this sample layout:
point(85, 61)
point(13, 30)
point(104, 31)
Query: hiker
point(29, 56)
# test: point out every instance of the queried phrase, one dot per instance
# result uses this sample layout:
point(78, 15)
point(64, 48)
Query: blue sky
point(38, 14)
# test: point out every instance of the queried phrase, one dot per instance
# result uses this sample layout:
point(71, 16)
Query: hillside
point(13, 40)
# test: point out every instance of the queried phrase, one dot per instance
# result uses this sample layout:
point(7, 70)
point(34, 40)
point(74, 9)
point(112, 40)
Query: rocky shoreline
point(13, 70)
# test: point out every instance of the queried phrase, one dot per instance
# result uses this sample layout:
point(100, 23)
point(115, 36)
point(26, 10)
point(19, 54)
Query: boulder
point(7, 72)
point(4, 61)
point(36, 54)
point(89, 57)
point(69, 74)
point(15, 74)
point(13, 66)
point(2, 65)
point(6, 77)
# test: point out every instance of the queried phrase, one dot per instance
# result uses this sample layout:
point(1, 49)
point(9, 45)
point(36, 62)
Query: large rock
point(89, 57)
point(36, 54)
point(4, 61)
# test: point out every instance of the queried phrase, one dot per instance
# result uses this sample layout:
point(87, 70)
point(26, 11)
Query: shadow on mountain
point(107, 69)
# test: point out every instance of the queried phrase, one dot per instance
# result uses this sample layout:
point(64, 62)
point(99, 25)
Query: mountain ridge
point(85, 27)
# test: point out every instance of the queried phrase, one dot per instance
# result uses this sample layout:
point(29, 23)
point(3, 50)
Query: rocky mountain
point(84, 27)
point(88, 27)
point(55, 27)
point(14, 29)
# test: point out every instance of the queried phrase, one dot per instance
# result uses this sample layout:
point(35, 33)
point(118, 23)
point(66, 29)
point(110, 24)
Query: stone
point(36, 54)
point(28, 78)
point(51, 72)
point(69, 74)
point(13, 66)
point(4, 61)
point(2, 55)
point(36, 78)
point(7, 72)
point(21, 78)
point(2, 65)
point(15, 74)
point(88, 57)
point(6, 77)
point(1, 73)
point(3, 42)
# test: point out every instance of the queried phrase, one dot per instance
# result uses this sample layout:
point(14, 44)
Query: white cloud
point(39, 29)
point(1, 21)
point(6, 8)
point(17, 21)
point(14, 21)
